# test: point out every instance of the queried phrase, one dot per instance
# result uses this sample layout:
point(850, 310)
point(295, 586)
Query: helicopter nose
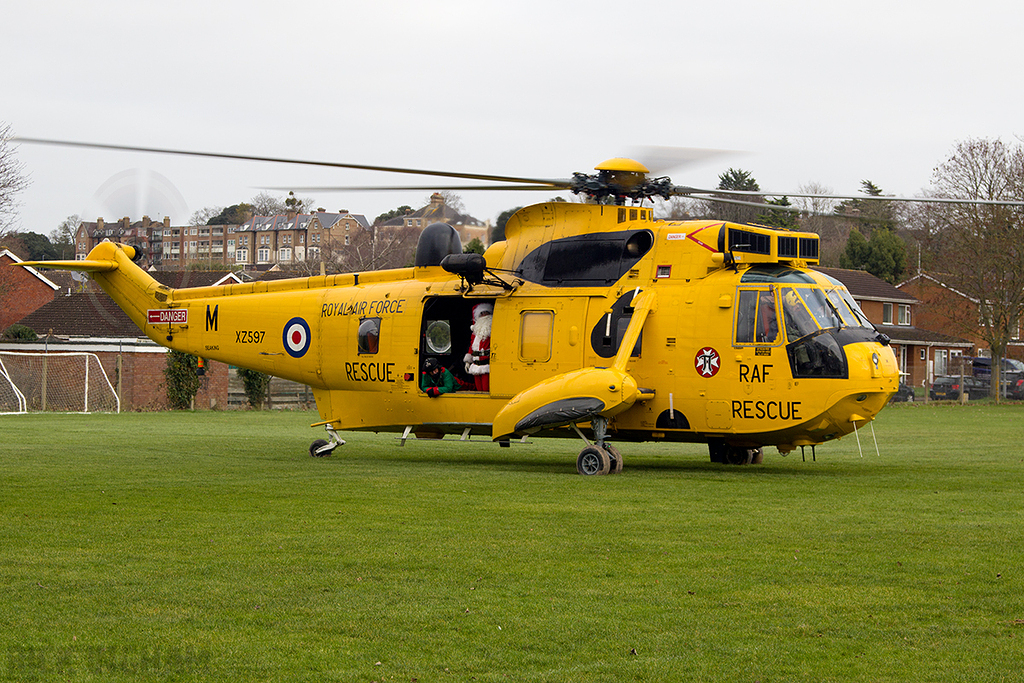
point(875, 363)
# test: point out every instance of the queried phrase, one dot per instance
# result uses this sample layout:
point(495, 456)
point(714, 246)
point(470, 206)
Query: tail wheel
point(593, 460)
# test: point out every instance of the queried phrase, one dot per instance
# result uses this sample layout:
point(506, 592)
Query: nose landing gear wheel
point(593, 460)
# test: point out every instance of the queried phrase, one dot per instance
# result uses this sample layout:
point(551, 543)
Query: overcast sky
point(807, 91)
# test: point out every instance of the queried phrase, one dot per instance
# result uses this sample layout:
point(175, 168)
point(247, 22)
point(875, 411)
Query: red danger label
point(168, 315)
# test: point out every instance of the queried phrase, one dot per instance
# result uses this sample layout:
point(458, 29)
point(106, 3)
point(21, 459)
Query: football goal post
point(55, 382)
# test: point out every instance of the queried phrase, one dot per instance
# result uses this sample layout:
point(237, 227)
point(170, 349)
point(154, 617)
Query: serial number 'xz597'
point(249, 336)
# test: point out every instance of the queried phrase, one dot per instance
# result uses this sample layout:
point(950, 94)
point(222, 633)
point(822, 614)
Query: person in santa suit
point(478, 358)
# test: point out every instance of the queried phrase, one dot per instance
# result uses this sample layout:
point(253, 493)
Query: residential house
point(141, 234)
point(24, 289)
point(290, 238)
point(944, 307)
point(437, 211)
point(921, 351)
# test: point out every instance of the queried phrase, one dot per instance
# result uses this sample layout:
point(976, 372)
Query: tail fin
point(112, 266)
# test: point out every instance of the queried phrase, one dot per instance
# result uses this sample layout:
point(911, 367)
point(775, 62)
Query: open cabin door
point(535, 338)
point(446, 334)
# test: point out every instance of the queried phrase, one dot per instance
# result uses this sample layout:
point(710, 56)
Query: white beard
point(481, 330)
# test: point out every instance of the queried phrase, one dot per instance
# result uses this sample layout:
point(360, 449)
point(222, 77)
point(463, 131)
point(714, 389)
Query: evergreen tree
point(737, 180)
point(884, 255)
point(776, 218)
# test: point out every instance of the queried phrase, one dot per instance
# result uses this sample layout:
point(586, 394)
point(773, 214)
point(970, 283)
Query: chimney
point(167, 221)
point(146, 222)
point(436, 200)
point(290, 214)
point(99, 223)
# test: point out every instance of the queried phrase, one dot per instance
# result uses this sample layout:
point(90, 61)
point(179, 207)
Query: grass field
point(210, 546)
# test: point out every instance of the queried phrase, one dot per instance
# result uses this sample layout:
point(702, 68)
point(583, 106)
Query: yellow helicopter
point(606, 324)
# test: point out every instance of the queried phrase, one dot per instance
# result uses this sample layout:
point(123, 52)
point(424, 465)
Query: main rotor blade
point(423, 188)
point(661, 159)
point(280, 160)
point(693, 191)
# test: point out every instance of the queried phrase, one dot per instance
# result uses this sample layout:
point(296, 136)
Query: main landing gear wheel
point(593, 460)
point(734, 455)
point(616, 457)
point(314, 448)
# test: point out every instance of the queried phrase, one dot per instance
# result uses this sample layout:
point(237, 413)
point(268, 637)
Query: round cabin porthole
point(439, 337)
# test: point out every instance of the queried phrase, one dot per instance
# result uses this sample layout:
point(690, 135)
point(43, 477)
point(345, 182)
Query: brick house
point(922, 352)
point(291, 238)
point(944, 307)
point(140, 233)
point(22, 290)
point(437, 211)
point(262, 240)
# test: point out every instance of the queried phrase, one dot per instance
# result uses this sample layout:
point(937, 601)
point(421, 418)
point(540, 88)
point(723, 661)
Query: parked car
point(950, 388)
point(1012, 376)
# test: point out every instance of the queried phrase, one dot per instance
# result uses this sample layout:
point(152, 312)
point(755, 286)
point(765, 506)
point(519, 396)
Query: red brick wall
point(143, 386)
point(21, 292)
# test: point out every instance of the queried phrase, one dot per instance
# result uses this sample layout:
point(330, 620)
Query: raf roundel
point(296, 337)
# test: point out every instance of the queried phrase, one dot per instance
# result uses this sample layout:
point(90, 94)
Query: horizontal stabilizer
point(92, 266)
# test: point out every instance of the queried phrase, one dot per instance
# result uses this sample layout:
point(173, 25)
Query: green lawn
point(210, 546)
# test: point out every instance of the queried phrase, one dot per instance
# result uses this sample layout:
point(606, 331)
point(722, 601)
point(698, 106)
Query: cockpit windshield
point(807, 306)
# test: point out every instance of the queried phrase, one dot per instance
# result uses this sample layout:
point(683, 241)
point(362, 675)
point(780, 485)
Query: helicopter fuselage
point(733, 338)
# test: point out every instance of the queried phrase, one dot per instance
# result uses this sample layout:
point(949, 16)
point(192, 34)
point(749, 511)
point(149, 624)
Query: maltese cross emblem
point(707, 362)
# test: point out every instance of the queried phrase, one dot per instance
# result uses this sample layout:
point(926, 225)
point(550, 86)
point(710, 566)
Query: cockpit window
point(756, 318)
point(808, 309)
point(799, 321)
point(807, 305)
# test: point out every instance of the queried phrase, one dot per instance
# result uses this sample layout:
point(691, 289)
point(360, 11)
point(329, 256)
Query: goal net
point(55, 382)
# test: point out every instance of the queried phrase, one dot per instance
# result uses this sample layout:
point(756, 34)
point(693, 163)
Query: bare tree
point(378, 248)
point(678, 208)
point(12, 180)
point(203, 216)
point(63, 237)
point(817, 218)
point(266, 204)
point(980, 248)
point(452, 199)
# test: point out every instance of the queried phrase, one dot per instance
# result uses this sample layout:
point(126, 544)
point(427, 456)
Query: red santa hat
point(482, 309)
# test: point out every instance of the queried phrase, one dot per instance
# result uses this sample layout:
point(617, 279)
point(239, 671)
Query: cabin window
point(439, 337)
point(590, 260)
point(756, 318)
point(368, 339)
point(535, 336)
